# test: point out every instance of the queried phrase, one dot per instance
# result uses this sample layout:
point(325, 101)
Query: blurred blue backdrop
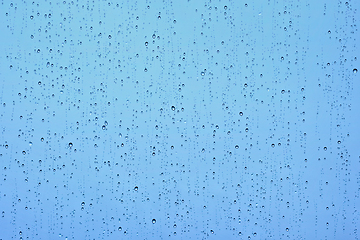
point(182, 119)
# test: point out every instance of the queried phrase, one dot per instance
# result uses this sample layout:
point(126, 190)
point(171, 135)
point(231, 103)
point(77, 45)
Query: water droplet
point(225, 7)
point(136, 188)
point(153, 221)
point(173, 108)
point(339, 142)
point(109, 36)
point(202, 74)
point(120, 228)
point(325, 148)
point(146, 43)
point(212, 231)
point(23, 152)
point(70, 145)
point(241, 113)
point(31, 17)
point(355, 70)
point(236, 146)
point(83, 204)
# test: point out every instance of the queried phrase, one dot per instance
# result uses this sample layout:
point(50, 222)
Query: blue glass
point(179, 119)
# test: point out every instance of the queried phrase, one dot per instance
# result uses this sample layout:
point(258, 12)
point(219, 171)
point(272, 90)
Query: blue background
point(179, 119)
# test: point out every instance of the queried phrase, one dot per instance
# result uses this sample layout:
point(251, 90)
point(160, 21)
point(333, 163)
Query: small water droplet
point(153, 221)
point(355, 70)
